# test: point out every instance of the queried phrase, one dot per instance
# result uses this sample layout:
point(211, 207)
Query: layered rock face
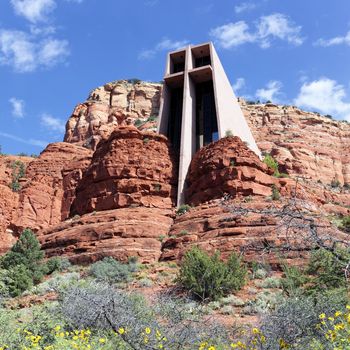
point(107, 107)
point(42, 196)
point(305, 144)
point(121, 233)
point(261, 230)
point(227, 167)
point(130, 168)
point(9, 200)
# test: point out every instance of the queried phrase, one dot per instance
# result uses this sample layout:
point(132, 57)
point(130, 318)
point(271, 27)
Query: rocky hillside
point(109, 188)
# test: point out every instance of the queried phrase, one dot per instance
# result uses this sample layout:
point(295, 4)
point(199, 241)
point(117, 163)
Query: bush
point(182, 209)
point(294, 279)
point(57, 264)
point(275, 193)
point(295, 320)
point(327, 269)
point(27, 252)
point(111, 271)
point(228, 133)
point(19, 279)
point(207, 277)
point(345, 223)
point(272, 163)
point(18, 171)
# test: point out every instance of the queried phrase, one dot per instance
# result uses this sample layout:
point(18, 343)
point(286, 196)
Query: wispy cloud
point(267, 29)
point(326, 96)
point(52, 124)
point(164, 45)
point(270, 92)
point(24, 53)
point(34, 10)
point(239, 84)
point(244, 7)
point(33, 142)
point(17, 107)
point(338, 40)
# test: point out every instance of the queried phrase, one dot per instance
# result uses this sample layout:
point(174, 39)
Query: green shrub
point(110, 270)
point(207, 277)
point(182, 209)
point(19, 279)
point(335, 183)
point(57, 264)
point(18, 172)
point(345, 223)
point(138, 122)
point(275, 193)
point(272, 163)
point(228, 133)
point(327, 269)
point(27, 252)
point(294, 279)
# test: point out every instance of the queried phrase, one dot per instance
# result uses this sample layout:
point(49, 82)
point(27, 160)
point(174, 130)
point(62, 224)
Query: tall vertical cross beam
point(198, 106)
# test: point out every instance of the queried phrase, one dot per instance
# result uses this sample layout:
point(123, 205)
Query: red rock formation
point(252, 228)
point(9, 200)
point(129, 169)
point(42, 194)
point(227, 166)
point(119, 233)
point(305, 144)
point(109, 106)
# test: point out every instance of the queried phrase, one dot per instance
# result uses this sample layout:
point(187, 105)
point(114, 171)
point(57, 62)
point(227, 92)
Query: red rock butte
point(110, 188)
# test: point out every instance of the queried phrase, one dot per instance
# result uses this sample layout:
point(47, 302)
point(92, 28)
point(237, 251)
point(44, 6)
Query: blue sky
point(53, 52)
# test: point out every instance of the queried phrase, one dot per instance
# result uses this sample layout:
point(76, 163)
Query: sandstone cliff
point(109, 188)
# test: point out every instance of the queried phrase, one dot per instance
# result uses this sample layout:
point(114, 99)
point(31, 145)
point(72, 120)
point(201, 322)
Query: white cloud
point(17, 107)
point(270, 92)
point(325, 95)
point(338, 40)
point(278, 26)
point(239, 84)
point(34, 10)
point(245, 6)
point(24, 53)
point(232, 34)
point(32, 142)
point(267, 29)
point(164, 45)
point(52, 123)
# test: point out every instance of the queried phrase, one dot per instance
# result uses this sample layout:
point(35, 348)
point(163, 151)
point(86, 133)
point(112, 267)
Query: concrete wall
point(229, 114)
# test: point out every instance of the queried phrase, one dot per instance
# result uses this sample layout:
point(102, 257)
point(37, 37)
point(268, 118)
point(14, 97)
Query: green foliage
point(272, 163)
point(27, 252)
point(152, 118)
point(182, 209)
point(207, 277)
point(335, 183)
point(228, 133)
point(19, 279)
point(134, 81)
point(138, 122)
point(57, 264)
point(345, 223)
point(294, 279)
point(275, 193)
point(327, 269)
point(18, 172)
point(111, 271)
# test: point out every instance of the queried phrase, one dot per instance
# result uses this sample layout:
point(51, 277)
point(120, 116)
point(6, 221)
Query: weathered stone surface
point(40, 202)
point(9, 200)
point(306, 144)
point(255, 229)
point(130, 168)
point(227, 167)
point(119, 233)
point(109, 106)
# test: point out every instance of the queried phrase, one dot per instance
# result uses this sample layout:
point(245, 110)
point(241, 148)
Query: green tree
point(18, 280)
point(27, 252)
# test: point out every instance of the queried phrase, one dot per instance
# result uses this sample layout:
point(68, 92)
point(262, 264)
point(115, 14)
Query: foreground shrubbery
point(208, 277)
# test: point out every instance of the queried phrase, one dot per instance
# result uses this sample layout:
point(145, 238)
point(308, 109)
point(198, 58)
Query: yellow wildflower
point(148, 330)
point(121, 330)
